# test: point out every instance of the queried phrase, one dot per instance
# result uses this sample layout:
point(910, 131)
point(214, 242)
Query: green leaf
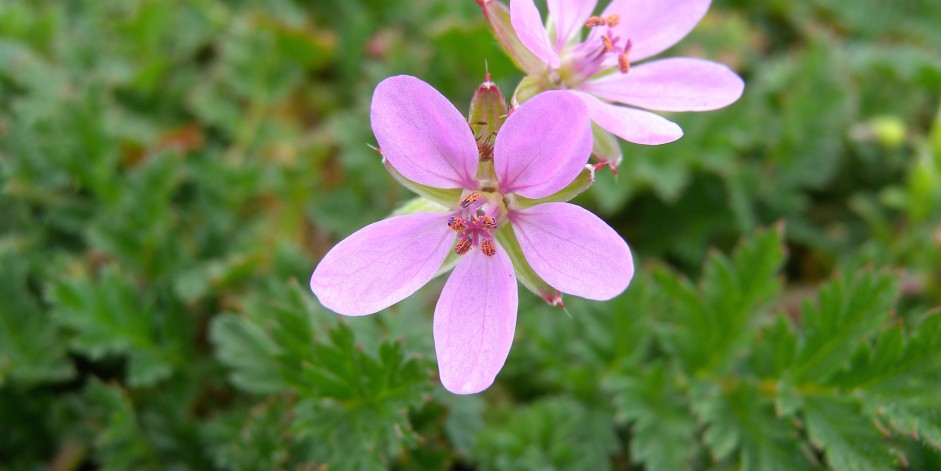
point(354, 404)
point(663, 430)
point(31, 348)
point(243, 346)
point(740, 420)
point(897, 380)
point(119, 443)
point(845, 312)
point(357, 406)
point(551, 433)
point(109, 317)
point(258, 438)
point(849, 441)
point(709, 325)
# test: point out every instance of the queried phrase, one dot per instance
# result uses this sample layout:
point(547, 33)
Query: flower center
point(474, 222)
point(609, 42)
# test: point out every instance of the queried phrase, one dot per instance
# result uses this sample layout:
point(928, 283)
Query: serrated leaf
point(739, 420)
point(249, 352)
point(663, 430)
point(898, 381)
point(354, 403)
point(708, 325)
point(258, 438)
point(31, 349)
point(108, 317)
point(845, 312)
point(551, 433)
point(849, 441)
point(119, 442)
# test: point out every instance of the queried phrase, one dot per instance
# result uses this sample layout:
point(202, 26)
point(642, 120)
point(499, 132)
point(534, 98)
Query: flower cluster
point(501, 179)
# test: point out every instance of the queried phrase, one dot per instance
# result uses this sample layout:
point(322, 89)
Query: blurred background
point(172, 171)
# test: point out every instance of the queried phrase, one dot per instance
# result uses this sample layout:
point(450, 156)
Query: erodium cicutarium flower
point(541, 148)
point(593, 57)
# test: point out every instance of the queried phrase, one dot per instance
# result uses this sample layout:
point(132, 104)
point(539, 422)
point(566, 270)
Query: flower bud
point(486, 116)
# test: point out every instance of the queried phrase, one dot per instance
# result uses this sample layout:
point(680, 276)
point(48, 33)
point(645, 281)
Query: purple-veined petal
point(475, 319)
point(382, 263)
point(654, 25)
point(630, 124)
point(422, 135)
point(543, 145)
point(525, 18)
point(676, 84)
point(573, 250)
point(569, 17)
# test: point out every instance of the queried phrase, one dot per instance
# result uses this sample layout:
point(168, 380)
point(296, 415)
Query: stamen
point(613, 20)
point(463, 246)
point(487, 248)
point(595, 21)
point(470, 199)
point(623, 64)
point(488, 223)
point(608, 44)
point(456, 223)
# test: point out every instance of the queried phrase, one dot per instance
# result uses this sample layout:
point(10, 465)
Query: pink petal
point(654, 25)
point(474, 321)
point(569, 17)
point(678, 84)
point(543, 145)
point(422, 135)
point(573, 250)
point(633, 125)
point(525, 18)
point(382, 263)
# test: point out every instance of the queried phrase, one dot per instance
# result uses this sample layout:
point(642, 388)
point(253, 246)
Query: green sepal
point(605, 148)
point(446, 197)
point(582, 182)
point(498, 18)
point(487, 113)
point(419, 205)
point(530, 86)
point(524, 272)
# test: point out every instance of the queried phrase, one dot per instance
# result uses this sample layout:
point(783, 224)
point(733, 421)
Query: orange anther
point(469, 199)
point(624, 65)
point(487, 248)
point(595, 21)
point(613, 20)
point(608, 45)
point(463, 246)
point(456, 223)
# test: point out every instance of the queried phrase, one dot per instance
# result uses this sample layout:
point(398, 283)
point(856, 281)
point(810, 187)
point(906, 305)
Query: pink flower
point(600, 69)
point(540, 149)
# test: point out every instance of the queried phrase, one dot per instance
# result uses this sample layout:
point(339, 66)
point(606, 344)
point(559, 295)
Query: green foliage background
point(171, 171)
